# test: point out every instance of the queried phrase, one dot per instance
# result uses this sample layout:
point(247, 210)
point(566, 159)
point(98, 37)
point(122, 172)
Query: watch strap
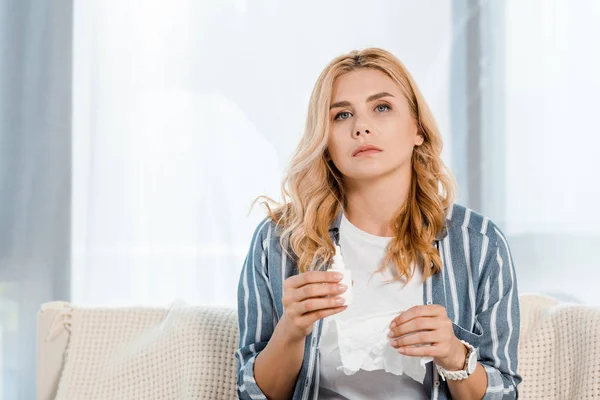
point(460, 374)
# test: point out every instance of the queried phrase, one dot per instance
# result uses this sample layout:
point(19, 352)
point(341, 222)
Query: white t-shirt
point(363, 254)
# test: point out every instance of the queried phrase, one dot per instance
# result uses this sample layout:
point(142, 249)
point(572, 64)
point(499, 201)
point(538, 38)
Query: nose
point(360, 128)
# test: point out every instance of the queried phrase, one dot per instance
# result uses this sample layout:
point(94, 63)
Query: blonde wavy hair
point(313, 192)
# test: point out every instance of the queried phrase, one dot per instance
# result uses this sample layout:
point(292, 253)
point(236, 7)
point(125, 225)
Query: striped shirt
point(477, 286)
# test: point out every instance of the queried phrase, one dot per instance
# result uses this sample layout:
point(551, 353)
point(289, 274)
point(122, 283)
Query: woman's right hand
point(308, 297)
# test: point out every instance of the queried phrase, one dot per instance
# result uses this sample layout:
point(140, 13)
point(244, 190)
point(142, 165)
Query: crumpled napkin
point(363, 344)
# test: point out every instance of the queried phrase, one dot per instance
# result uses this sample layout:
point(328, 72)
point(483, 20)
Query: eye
point(382, 107)
point(342, 115)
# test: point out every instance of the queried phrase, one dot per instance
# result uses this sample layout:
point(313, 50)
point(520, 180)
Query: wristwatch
point(468, 370)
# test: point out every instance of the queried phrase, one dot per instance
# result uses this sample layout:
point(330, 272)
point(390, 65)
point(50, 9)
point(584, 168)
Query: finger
point(310, 277)
point(317, 290)
point(420, 351)
point(314, 290)
point(418, 338)
point(316, 304)
point(310, 318)
point(430, 310)
point(414, 325)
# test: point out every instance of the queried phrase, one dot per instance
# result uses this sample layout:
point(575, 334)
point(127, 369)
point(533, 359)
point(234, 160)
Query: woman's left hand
point(428, 325)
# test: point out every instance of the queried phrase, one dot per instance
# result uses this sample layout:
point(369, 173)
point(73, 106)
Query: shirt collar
point(334, 228)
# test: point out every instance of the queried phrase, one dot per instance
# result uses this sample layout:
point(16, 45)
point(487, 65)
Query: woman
point(367, 176)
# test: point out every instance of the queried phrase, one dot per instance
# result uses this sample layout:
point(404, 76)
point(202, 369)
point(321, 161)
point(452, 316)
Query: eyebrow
point(373, 97)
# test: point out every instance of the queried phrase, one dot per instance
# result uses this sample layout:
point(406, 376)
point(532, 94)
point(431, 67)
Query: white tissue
point(363, 344)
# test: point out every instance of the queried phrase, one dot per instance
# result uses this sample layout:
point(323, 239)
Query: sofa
point(187, 352)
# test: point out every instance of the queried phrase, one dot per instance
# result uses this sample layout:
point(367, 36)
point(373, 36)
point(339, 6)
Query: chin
point(367, 174)
point(370, 172)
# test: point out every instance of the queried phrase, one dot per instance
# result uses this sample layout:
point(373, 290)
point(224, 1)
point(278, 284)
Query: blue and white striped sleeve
point(499, 317)
point(255, 312)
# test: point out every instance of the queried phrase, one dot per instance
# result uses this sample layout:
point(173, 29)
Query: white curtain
point(185, 111)
point(552, 168)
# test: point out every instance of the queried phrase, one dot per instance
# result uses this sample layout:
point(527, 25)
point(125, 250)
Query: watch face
point(472, 366)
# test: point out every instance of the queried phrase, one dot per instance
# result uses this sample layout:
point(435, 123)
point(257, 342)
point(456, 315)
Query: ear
point(419, 139)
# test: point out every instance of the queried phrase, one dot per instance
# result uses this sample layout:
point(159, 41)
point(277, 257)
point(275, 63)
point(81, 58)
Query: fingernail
point(338, 276)
point(391, 334)
point(393, 324)
point(342, 287)
point(340, 300)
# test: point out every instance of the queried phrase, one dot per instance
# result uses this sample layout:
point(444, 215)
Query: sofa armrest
point(52, 340)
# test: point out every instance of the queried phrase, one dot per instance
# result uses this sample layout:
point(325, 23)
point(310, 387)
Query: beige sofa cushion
point(187, 352)
point(559, 350)
point(143, 353)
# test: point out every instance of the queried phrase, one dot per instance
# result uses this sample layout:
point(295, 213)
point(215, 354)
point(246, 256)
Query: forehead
point(361, 83)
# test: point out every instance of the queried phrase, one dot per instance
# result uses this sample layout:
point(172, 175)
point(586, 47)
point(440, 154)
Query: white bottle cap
point(338, 261)
point(339, 266)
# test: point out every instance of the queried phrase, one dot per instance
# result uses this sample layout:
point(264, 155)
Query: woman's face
point(368, 108)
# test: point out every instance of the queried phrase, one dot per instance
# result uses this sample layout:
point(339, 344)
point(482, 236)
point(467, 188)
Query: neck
point(371, 205)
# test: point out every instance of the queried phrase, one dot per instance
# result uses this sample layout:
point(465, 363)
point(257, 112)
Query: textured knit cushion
point(559, 350)
point(142, 353)
point(187, 352)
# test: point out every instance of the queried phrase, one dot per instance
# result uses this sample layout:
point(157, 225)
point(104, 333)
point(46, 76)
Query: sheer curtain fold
point(35, 150)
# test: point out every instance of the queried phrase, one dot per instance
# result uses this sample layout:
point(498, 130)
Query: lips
point(366, 148)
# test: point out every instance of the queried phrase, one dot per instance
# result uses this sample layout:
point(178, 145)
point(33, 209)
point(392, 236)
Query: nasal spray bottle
point(339, 266)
